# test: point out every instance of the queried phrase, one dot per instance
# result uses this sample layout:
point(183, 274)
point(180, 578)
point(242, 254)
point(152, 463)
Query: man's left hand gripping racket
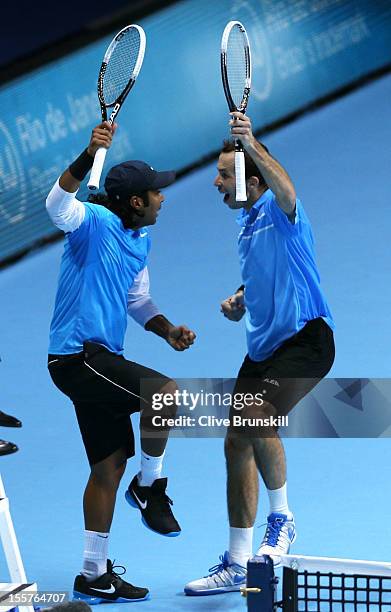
point(120, 67)
point(236, 76)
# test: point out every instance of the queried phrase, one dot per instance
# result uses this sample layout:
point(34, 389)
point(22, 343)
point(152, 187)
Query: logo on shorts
point(272, 381)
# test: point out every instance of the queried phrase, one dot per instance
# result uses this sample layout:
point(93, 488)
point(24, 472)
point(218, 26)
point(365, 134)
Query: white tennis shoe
point(223, 578)
point(280, 535)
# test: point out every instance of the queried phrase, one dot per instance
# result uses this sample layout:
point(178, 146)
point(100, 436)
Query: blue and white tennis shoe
point(280, 534)
point(223, 578)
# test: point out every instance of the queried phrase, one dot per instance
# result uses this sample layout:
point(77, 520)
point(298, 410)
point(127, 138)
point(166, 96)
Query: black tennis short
point(291, 372)
point(105, 390)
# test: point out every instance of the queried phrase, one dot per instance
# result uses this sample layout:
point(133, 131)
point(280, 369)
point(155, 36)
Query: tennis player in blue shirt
point(104, 277)
point(290, 348)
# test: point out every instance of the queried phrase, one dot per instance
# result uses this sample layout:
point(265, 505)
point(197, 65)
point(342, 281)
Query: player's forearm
point(68, 183)
point(72, 177)
point(142, 310)
point(160, 326)
point(101, 136)
point(274, 174)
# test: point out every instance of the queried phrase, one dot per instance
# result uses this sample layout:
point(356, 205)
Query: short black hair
point(251, 167)
point(123, 209)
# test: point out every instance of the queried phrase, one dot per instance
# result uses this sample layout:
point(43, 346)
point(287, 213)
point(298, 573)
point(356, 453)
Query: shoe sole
point(92, 601)
point(132, 502)
point(220, 591)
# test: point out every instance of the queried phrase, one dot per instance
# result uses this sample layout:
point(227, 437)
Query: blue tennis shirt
point(282, 284)
point(100, 262)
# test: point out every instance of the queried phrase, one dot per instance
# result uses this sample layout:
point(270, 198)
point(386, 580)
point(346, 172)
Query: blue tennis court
point(338, 157)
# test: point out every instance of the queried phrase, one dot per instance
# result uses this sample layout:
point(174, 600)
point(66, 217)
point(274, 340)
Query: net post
point(261, 584)
point(289, 589)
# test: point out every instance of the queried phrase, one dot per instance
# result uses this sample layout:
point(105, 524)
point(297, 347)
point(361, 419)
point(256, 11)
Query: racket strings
point(121, 65)
point(237, 66)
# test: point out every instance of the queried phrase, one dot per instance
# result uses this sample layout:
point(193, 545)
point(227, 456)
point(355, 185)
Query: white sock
point(151, 469)
point(96, 545)
point(278, 499)
point(240, 544)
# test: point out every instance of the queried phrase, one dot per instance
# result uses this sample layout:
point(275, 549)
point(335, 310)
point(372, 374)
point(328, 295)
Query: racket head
point(120, 67)
point(236, 66)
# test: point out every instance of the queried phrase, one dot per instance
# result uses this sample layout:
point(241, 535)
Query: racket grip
point(96, 171)
point(240, 176)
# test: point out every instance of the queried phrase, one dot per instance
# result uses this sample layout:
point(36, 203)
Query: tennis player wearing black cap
point(103, 277)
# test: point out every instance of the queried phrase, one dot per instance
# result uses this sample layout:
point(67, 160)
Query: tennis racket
point(236, 76)
point(120, 67)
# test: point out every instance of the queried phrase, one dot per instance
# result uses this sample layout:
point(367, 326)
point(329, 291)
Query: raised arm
point(275, 175)
point(101, 136)
point(66, 212)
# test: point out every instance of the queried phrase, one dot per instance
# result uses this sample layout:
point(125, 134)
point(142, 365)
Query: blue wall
point(177, 113)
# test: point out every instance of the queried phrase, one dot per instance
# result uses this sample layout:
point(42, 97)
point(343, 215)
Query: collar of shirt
point(246, 217)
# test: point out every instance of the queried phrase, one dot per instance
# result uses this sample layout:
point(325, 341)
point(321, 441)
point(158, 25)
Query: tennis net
point(319, 584)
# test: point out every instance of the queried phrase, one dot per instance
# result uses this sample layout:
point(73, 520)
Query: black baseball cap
point(134, 177)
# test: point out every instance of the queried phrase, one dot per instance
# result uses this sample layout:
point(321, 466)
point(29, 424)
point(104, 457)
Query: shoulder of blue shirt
point(98, 210)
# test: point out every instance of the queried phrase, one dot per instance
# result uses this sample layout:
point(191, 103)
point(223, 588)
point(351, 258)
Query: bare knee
point(170, 387)
point(260, 411)
point(170, 390)
point(236, 445)
point(251, 425)
point(255, 422)
point(108, 473)
point(167, 400)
